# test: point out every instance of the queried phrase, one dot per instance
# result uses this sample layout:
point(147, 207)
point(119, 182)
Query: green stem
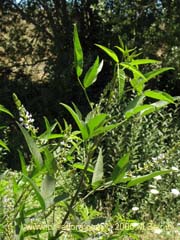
point(85, 93)
point(74, 198)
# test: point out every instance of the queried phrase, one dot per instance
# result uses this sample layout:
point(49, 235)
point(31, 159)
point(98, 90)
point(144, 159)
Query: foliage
point(57, 193)
point(36, 47)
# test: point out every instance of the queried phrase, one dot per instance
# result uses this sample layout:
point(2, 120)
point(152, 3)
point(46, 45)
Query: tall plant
point(66, 164)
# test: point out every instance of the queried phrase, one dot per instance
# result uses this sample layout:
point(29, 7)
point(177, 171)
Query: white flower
point(178, 224)
point(158, 177)
point(134, 209)
point(159, 157)
point(157, 231)
point(175, 169)
point(175, 192)
point(154, 191)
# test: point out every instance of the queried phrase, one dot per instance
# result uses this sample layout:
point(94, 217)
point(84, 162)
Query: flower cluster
point(25, 117)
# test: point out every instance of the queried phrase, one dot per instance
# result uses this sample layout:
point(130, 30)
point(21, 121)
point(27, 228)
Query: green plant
point(66, 165)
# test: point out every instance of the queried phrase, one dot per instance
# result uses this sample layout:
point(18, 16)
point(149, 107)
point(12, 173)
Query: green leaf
point(23, 163)
point(5, 110)
point(121, 82)
point(137, 101)
point(120, 169)
point(47, 190)
point(105, 129)
point(2, 144)
point(47, 134)
point(141, 179)
point(143, 61)
point(95, 122)
point(82, 166)
point(98, 170)
point(138, 84)
point(155, 106)
point(160, 104)
point(133, 69)
point(37, 191)
point(111, 53)
point(92, 73)
point(79, 122)
point(138, 109)
point(156, 72)
point(33, 148)
point(77, 111)
point(49, 162)
point(78, 53)
point(159, 95)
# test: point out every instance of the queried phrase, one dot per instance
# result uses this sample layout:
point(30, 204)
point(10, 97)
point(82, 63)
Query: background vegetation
point(37, 64)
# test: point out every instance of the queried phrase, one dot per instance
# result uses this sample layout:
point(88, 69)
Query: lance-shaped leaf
point(78, 53)
point(49, 129)
point(137, 101)
point(47, 190)
point(33, 148)
point(50, 162)
point(133, 69)
point(92, 73)
point(110, 52)
point(105, 129)
point(37, 191)
point(94, 123)
point(97, 178)
point(2, 144)
point(143, 61)
point(5, 110)
point(23, 163)
point(138, 109)
point(79, 122)
point(141, 179)
point(120, 169)
point(159, 95)
point(156, 106)
point(156, 72)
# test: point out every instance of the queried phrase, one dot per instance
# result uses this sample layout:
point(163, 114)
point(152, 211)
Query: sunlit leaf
point(95, 122)
point(49, 162)
point(47, 189)
point(137, 101)
point(78, 53)
point(133, 69)
point(2, 144)
point(141, 179)
point(105, 129)
point(159, 95)
point(138, 109)
point(156, 72)
point(110, 52)
point(98, 170)
point(92, 73)
point(79, 122)
point(120, 169)
point(33, 148)
point(143, 61)
point(37, 191)
point(5, 110)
